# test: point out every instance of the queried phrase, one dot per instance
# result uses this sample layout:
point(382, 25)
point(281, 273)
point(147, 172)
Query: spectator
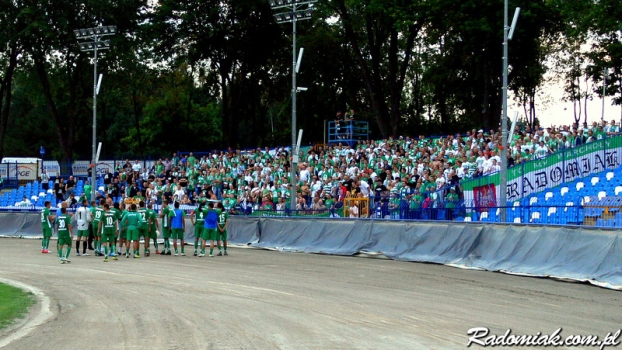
point(70, 187)
point(354, 211)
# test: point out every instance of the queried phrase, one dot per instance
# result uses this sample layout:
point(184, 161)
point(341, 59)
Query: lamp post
point(602, 115)
point(508, 32)
point(298, 10)
point(94, 43)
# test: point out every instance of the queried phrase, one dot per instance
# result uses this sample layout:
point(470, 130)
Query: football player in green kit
point(153, 229)
point(223, 222)
point(143, 227)
point(65, 236)
point(197, 217)
point(132, 221)
point(117, 211)
point(46, 225)
point(108, 226)
point(97, 213)
point(166, 213)
point(122, 230)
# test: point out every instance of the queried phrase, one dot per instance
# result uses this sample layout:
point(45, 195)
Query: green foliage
point(205, 74)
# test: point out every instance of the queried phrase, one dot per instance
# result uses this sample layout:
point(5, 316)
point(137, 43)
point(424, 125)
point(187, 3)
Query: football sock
point(211, 251)
point(68, 252)
point(60, 252)
point(78, 247)
point(84, 245)
point(196, 245)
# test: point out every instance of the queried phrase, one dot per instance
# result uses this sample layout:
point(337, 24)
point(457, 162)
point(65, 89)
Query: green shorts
point(108, 237)
point(178, 233)
point(198, 229)
point(143, 232)
point(64, 240)
point(152, 233)
point(210, 234)
point(47, 232)
point(166, 232)
point(223, 235)
point(96, 229)
point(132, 234)
point(83, 233)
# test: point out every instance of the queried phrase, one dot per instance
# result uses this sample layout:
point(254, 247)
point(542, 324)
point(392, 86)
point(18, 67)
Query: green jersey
point(143, 218)
point(200, 217)
point(110, 221)
point(133, 219)
point(63, 222)
point(167, 213)
point(151, 215)
point(117, 213)
point(45, 218)
point(223, 216)
point(97, 213)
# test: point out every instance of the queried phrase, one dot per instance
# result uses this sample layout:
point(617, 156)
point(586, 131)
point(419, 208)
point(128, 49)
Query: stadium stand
point(403, 178)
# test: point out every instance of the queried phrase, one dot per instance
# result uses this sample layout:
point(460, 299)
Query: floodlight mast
point(94, 35)
point(293, 16)
point(503, 176)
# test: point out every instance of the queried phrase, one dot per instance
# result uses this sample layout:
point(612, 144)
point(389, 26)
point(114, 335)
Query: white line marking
point(45, 313)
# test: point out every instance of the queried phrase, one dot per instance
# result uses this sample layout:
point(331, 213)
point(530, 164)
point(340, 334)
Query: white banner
point(19, 171)
point(81, 167)
point(52, 168)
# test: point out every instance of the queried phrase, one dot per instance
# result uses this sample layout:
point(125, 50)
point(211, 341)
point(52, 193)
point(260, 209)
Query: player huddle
point(126, 225)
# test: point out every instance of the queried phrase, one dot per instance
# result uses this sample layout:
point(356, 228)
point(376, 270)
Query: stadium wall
point(562, 252)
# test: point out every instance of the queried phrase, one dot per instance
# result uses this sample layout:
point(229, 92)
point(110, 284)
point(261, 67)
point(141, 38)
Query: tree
point(53, 54)
point(231, 41)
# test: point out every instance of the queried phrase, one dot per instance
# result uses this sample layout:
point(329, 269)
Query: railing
point(558, 168)
point(347, 132)
point(595, 213)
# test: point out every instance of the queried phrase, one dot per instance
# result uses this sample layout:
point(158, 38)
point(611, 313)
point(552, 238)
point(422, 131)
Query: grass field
point(14, 303)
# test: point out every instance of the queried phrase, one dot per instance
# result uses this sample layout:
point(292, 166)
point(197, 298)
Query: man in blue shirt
point(178, 226)
point(210, 230)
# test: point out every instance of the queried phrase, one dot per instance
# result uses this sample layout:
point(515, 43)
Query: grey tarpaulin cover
point(549, 251)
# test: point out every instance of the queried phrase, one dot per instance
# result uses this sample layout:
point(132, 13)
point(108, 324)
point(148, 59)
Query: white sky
point(562, 113)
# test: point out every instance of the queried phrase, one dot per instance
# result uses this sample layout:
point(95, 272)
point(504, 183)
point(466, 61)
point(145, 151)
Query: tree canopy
point(203, 75)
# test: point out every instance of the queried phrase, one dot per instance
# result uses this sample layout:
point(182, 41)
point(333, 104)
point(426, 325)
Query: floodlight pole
point(94, 161)
point(294, 167)
point(94, 35)
point(602, 115)
point(508, 33)
point(503, 181)
point(304, 14)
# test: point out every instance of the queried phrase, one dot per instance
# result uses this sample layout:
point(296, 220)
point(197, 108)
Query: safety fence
point(534, 176)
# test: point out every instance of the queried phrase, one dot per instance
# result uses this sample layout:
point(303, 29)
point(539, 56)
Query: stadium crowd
point(405, 173)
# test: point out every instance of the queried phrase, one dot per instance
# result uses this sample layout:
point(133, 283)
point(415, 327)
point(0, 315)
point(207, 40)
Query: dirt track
point(256, 299)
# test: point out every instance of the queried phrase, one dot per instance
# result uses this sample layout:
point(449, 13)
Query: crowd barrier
point(564, 252)
point(573, 253)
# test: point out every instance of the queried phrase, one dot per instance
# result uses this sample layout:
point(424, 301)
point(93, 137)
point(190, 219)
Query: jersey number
point(98, 214)
point(61, 224)
point(43, 217)
point(109, 221)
